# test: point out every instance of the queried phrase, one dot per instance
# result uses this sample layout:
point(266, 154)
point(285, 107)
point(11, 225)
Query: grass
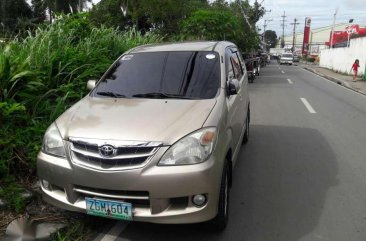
point(75, 231)
point(41, 76)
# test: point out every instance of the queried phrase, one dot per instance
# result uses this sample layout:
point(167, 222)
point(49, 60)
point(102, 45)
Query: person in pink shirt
point(355, 69)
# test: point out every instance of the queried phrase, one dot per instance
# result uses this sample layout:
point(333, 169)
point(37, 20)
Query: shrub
point(46, 72)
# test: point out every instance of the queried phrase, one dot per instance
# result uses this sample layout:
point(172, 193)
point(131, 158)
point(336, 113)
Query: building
point(318, 38)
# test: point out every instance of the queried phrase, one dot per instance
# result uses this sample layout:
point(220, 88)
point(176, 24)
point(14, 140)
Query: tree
point(39, 10)
point(270, 37)
point(249, 36)
point(163, 16)
point(110, 13)
point(212, 24)
point(256, 12)
point(244, 34)
point(12, 14)
point(166, 15)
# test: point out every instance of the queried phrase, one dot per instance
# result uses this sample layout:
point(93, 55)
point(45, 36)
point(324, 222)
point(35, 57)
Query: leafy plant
point(10, 191)
point(44, 74)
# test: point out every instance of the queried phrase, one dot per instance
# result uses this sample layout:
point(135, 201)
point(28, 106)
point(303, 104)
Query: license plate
point(111, 209)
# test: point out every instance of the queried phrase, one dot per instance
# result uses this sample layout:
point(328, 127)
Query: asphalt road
point(302, 176)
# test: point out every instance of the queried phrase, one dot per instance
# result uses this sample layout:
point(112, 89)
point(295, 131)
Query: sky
point(320, 11)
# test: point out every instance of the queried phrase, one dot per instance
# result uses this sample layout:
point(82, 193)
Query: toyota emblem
point(107, 150)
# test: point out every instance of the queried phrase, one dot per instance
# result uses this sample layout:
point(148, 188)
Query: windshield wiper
point(158, 95)
point(111, 94)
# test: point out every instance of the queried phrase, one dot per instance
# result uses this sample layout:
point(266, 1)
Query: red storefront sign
point(305, 43)
point(353, 31)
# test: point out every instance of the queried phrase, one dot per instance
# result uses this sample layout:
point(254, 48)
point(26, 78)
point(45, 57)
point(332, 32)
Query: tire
point(219, 223)
point(247, 129)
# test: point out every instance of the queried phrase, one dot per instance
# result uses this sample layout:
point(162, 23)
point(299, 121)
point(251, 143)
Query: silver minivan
point(155, 140)
point(287, 58)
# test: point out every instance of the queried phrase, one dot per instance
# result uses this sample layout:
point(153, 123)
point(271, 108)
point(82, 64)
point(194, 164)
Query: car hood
point(163, 120)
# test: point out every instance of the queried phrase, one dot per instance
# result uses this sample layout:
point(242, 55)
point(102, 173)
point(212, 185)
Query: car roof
point(181, 46)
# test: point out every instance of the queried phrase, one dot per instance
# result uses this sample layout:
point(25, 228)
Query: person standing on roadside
point(354, 68)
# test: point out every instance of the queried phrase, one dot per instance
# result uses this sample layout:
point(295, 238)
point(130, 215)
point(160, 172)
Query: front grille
point(126, 154)
point(109, 163)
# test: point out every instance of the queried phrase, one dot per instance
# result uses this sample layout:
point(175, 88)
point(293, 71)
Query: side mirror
point(91, 84)
point(232, 87)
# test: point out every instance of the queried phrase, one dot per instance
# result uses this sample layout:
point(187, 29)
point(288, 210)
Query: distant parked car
point(287, 58)
point(296, 58)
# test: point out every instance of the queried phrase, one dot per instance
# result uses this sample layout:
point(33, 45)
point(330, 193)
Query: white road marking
point(283, 72)
point(290, 81)
point(115, 231)
point(308, 106)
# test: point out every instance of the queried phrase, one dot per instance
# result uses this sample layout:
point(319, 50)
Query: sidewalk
point(344, 80)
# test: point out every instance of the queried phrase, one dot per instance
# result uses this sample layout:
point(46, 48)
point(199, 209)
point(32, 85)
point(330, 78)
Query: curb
point(335, 80)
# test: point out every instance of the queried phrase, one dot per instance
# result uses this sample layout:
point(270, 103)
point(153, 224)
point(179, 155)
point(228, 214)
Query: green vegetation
point(10, 190)
point(44, 74)
point(76, 230)
point(212, 24)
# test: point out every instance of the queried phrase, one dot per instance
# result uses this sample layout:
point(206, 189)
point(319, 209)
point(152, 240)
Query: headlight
point(192, 149)
point(52, 142)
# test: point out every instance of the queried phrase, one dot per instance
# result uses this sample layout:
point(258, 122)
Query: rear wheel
point(219, 223)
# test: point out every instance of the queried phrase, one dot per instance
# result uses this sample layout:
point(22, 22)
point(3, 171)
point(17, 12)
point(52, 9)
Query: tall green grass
point(43, 74)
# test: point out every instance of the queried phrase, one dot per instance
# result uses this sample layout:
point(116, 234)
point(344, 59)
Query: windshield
point(163, 75)
point(287, 56)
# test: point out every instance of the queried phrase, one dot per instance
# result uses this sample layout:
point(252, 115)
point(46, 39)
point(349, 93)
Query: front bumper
point(286, 61)
point(166, 191)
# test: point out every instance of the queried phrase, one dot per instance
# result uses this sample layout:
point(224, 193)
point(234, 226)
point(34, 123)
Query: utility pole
point(283, 30)
point(331, 33)
point(244, 14)
point(294, 37)
point(264, 29)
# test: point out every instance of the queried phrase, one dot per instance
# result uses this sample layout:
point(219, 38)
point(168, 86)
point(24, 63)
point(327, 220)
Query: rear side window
point(242, 63)
point(233, 65)
point(236, 66)
point(194, 74)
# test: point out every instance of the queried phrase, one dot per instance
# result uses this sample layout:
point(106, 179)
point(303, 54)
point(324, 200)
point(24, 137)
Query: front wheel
point(219, 223)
